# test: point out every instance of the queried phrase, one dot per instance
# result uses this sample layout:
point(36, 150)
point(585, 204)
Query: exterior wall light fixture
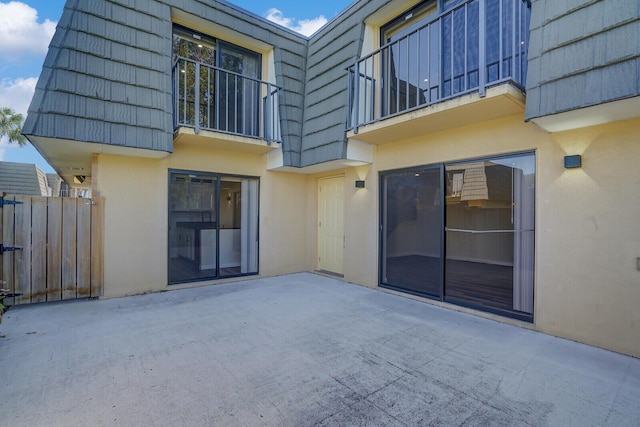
point(574, 161)
point(359, 183)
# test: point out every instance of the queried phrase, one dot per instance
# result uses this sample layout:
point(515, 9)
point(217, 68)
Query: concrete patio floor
point(298, 350)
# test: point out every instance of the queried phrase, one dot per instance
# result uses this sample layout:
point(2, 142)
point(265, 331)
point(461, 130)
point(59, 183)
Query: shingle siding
point(22, 178)
point(290, 65)
point(331, 51)
point(581, 53)
point(97, 78)
point(107, 76)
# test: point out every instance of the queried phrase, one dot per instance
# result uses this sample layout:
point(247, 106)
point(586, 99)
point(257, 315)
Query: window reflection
point(490, 228)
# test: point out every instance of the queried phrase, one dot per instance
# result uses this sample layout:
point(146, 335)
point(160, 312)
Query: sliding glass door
point(213, 226)
point(490, 233)
point(462, 232)
point(411, 231)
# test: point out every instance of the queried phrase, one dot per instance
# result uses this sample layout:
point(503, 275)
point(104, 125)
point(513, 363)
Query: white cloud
point(303, 26)
point(21, 33)
point(17, 94)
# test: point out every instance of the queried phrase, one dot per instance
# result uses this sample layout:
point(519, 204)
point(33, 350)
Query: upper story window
point(408, 21)
point(217, 86)
point(437, 50)
point(210, 51)
point(414, 18)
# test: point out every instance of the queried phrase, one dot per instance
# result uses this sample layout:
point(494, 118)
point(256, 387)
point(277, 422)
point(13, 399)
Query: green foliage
point(3, 294)
point(11, 126)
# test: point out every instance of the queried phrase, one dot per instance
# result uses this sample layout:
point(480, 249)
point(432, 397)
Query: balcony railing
point(478, 44)
point(211, 98)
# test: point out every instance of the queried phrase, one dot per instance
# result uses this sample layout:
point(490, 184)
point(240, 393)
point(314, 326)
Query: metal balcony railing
point(211, 98)
point(477, 44)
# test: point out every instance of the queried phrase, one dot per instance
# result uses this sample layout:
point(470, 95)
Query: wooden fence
point(52, 248)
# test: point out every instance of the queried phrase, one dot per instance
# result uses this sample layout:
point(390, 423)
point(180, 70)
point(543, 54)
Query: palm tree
point(11, 126)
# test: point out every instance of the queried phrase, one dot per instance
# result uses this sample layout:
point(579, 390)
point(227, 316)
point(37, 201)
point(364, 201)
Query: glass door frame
point(443, 242)
point(219, 178)
point(382, 229)
point(477, 306)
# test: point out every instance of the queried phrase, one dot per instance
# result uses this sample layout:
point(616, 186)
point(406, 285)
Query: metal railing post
point(174, 97)
point(356, 100)
point(208, 94)
point(184, 97)
point(350, 100)
point(501, 42)
point(216, 98)
point(452, 73)
point(243, 107)
point(465, 84)
point(267, 114)
point(482, 49)
point(196, 107)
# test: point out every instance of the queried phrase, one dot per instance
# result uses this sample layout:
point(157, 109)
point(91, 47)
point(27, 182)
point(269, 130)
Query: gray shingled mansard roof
point(22, 178)
point(106, 79)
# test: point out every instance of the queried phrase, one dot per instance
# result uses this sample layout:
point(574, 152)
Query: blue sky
point(26, 27)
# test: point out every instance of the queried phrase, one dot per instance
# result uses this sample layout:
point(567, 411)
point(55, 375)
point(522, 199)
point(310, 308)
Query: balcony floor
point(223, 141)
point(500, 101)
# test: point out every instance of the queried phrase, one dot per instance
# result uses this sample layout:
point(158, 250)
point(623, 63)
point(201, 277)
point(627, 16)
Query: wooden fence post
point(97, 247)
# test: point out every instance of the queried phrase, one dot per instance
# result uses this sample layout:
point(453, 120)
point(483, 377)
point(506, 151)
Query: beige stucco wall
point(284, 224)
point(587, 287)
point(361, 226)
point(136, 200)
point(588, 237)
point(134, 241)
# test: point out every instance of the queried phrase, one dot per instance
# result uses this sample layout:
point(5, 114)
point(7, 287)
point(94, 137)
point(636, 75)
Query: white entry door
point(331, 224)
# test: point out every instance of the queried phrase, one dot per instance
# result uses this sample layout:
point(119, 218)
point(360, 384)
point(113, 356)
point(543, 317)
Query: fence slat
point(69, 251)
point(22, 274)
point(97, 248)
point(54, 249)
point(8, 239)
point(38, 249)
point(83, 268)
